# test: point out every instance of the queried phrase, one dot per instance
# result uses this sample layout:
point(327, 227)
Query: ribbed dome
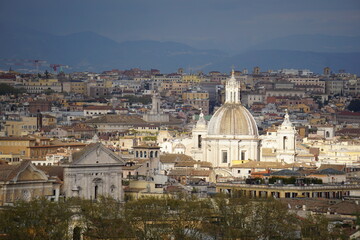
point(232, 119)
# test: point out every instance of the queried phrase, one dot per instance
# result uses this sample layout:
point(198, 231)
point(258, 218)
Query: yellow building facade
point(16, 146)
point(287, 191)
point(21, 127)
point(191, 78)
point(195, 95)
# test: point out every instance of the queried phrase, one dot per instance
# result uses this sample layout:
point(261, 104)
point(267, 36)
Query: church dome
point(232, 119)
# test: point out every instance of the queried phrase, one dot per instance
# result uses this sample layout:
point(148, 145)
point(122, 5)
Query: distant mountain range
point(278, 59)
point(88, 51)
point(313, 43)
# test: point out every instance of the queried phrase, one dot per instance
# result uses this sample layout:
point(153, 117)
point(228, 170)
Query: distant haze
point(194, 34)
point(230, 25)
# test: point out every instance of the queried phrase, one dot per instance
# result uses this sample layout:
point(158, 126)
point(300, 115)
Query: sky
point(229, 25)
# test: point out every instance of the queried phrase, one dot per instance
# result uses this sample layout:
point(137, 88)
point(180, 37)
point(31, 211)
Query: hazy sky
point(222, 24)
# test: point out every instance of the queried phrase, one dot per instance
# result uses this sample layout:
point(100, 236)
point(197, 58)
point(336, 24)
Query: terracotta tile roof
point(347, 113)
point(348, 131)
point(346, 208)
point(190, 172)
point(98, 108)
point(53, 171)
point(121, 119)
point(16, 139)
point(185, 164)
point(8, 172)
point(147, 146)
point(333, 166)
point(205, 164)
point(258, 164)
point(173, 158)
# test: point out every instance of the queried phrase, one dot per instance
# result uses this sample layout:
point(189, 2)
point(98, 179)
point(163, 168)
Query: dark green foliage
point(354, 105)
point(39, 219)
point(6, 89)
point(136, 99)
point(182, 217)
point(290, 180)
point(293, 180)
point(103, 219)
point(316, 227)
point(312, 181)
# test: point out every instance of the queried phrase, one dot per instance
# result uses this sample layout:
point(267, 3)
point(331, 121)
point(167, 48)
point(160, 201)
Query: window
point(242, 155)
point(284, 142)
point(239, 171)
point(224, 157)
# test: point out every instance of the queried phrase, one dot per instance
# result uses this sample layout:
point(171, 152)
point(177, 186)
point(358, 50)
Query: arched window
point(327, 135)
point(284, 142)
point(77, 233)
point(145, 154)
point(199, 141)
point(151, 154)
point(137, 154)
point(141, 154)
point(96, 192)
point(156, 154)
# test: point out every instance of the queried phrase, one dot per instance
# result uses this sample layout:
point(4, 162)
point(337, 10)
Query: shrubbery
point(159, 218)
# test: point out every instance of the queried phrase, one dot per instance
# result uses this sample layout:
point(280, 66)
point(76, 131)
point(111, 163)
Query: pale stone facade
point(280, 145)
point(94, 171)
point(25, 182)
point(156, 114)
point(231, 136)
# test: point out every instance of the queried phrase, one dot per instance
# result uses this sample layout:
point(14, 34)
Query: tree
point(103, 219)
point(318, 227)
point(6, 89)
point(272, 220)
point(38, 219)
point(354, 105)
point(148, 218)
point(232, 216)
point(189, 217)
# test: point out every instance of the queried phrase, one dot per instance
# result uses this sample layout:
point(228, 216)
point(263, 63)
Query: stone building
point(94, 171)
point(156, 114)
point(232, 133)
point(26, 182)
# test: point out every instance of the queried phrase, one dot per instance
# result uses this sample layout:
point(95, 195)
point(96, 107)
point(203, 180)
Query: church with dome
point(231, 136)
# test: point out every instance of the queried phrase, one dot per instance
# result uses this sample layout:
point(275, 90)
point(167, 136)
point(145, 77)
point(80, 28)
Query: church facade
point(94, 171)
point(231, 133)
point(231, 136)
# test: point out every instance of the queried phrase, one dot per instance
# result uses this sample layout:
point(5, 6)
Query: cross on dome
point(232, 89)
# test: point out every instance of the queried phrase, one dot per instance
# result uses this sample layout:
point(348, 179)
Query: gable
point(30, 173)
point(96, 154)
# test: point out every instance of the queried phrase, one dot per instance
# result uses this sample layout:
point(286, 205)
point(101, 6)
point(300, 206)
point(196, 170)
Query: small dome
point(232, 119)
point(180, 145)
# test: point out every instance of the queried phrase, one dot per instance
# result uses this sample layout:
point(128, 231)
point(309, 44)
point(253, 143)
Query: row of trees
point(162, 218)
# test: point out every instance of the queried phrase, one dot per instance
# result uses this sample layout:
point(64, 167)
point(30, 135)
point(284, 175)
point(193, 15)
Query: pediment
point(96, 154)
point(30, 173)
